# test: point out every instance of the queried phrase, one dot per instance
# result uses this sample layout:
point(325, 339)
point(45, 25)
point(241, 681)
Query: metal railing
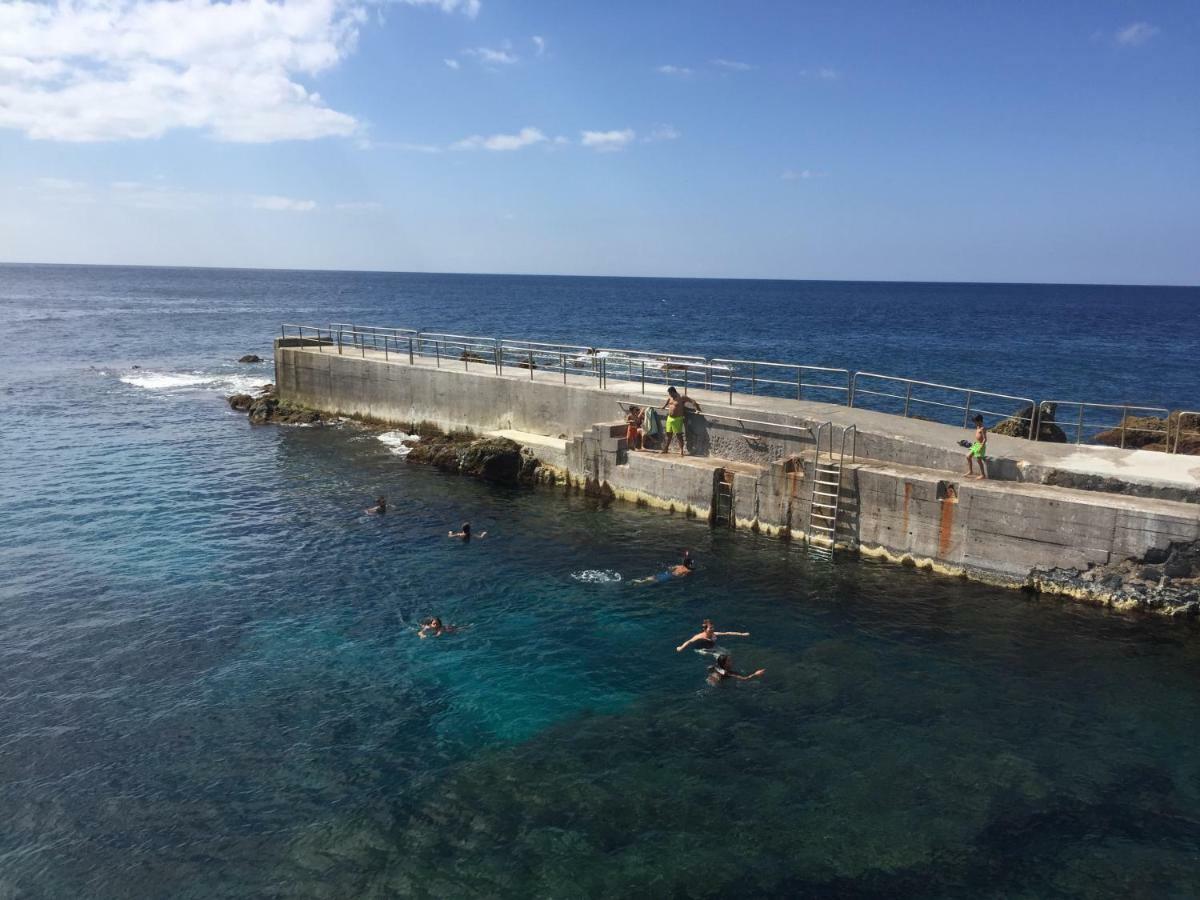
point(648, 366)
point(893, 394)
point(936, 398)
point(539, 356)
point(780, 379)
point(1181, 429)
point(1121, 425)
point(742, 421)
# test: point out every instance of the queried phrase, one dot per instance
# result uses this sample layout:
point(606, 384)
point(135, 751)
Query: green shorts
point(674, 424)
point(977, 450)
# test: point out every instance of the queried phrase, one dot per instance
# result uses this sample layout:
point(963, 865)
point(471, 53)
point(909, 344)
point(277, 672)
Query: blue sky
point(935, 141)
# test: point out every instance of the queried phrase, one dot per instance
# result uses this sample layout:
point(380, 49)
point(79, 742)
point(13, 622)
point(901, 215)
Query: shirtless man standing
point(676, 407)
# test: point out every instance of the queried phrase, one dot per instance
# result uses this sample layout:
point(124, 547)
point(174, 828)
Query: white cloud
point(663, 133)
point(677, 71)
point(283, 204)
point(524, 138)
point(60, 184)
point(539, 42)
point(801, 175)
point(828, 74)
point(1135, 35)
point(360, 205)
point(490, 56)
point(605, 141)
point(96, 70)
point(732, 64)
point(452, 63)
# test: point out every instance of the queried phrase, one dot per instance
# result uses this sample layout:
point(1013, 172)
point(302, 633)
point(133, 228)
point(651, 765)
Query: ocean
point(211, 685)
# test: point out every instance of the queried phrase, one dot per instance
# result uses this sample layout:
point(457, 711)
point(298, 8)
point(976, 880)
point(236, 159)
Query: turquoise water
point(210, 684)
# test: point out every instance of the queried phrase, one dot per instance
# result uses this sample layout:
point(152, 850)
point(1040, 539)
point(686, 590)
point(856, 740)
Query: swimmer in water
point(706, 640)
point(465, 534)
point(379, 508)
point(683, 568)
point(435, 628)
point(723, 669)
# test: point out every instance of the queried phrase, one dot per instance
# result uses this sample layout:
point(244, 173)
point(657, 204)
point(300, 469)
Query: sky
point(939, 141)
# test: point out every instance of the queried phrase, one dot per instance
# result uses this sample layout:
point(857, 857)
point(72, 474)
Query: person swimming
point(464, 534)
point(379, 508)
point(434, 627)
point(683, 568)
point(706, 640)
point(723, 669)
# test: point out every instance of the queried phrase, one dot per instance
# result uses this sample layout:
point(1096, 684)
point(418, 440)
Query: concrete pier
point(902, 492)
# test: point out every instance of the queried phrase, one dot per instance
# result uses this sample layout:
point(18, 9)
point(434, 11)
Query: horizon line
point(335, 271)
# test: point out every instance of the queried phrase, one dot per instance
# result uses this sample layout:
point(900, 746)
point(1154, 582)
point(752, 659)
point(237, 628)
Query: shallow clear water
point(210, 684)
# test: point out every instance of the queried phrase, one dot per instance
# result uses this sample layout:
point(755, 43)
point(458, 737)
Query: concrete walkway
point(885, 437)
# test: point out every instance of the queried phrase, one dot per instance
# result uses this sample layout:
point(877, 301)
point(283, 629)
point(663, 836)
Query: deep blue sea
point(210, 684)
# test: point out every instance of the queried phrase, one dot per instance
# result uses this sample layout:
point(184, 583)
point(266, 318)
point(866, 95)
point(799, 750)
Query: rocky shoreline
point(495, 459)
point(1165, 582)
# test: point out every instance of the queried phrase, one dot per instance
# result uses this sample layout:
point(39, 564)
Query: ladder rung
point(825, 493)
point(833, 483)
point(831, 467)
point(818, 515)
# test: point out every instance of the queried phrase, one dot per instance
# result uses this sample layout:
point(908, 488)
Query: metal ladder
point(825, 502)
point(723, 499)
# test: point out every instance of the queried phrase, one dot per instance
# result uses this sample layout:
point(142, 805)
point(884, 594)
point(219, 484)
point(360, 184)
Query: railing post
point(707, 373)
point(753, 379)
point(1124, 419)
point(339, 342)
point(851, 383)
point(686, 369)
point(643, 374)
point(731, 384)
point(437, 352)
point(499, 354)
point(410, 350)
point(1079, 427)
point(385, 348)
point(907, 398)
point(799, 384)
point(562, 361)
point(967, 411)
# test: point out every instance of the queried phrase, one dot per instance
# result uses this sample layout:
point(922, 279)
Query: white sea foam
point(225, 382)
point(398, 442)
point(597, 576)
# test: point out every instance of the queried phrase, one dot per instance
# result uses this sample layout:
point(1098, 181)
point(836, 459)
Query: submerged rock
point(250, 358)
point(1165, 582)
point(267, 408)
point(496, 459)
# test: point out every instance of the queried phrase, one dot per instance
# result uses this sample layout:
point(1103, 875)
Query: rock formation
point(1018, 425)
point(266, 408)
point(250, 358)
point(1164, 581)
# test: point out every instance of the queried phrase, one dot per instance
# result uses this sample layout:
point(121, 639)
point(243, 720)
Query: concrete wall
point(902, 502)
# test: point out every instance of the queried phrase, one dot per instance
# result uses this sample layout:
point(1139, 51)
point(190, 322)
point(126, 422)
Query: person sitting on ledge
point(676, 407)
point(379, 508)
point(465, 534)
point(723, 669)
point(435, 628)
point(633, 428)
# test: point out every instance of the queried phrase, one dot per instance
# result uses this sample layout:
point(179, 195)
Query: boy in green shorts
point(978, 450)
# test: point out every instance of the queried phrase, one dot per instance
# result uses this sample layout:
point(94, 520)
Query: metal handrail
point(657, 366)
point(1125, 408)
point(798, 383)
point(1179, 429)
point(970, 395)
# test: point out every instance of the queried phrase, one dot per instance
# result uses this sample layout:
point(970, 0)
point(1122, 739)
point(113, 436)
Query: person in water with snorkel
point(682, 569)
